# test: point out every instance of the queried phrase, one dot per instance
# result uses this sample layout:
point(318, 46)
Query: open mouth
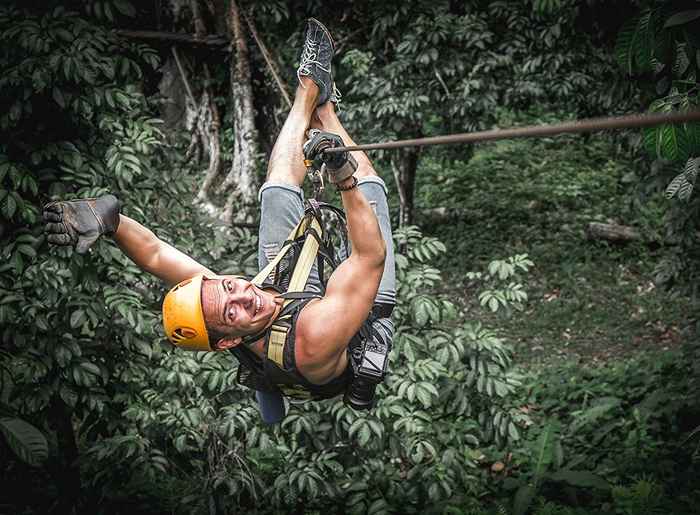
point(258, 304)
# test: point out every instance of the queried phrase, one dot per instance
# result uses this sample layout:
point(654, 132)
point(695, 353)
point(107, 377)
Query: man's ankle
point(326, 113)
point(307, 92)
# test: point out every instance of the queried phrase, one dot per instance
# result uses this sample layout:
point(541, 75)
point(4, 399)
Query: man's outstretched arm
point(154, 255)
point(80, 223)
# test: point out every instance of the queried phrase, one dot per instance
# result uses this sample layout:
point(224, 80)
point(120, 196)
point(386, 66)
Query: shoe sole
point(325, 30)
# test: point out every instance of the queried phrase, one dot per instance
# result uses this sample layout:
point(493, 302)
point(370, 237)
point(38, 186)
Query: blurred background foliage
point(532, 372)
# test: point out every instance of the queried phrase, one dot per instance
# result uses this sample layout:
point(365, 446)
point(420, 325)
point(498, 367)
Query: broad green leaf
point(581, 478)
point(25, 440)
point(682, 18)
point(77, 318)
point(523, 499)
point(125, 7)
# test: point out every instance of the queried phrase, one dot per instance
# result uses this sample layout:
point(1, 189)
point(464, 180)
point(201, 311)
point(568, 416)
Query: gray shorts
point(282, 206)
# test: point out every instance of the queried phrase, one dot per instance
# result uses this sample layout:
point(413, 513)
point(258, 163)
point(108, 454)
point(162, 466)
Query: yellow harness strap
point(300, 274)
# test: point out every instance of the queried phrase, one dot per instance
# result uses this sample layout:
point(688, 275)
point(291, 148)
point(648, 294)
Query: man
point(209, 312)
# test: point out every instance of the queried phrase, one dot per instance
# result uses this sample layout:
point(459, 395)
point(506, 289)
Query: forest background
point(538, 366)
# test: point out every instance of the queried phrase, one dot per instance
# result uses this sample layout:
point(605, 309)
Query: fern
point(544, 449)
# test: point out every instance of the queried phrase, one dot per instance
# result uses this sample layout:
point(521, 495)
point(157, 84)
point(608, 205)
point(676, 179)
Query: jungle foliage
point(99, 414)
point(661, 48)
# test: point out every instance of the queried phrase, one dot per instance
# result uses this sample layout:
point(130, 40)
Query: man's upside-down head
point(215, 313)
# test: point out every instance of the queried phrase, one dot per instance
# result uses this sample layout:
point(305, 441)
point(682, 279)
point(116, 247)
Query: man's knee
point(279, 171)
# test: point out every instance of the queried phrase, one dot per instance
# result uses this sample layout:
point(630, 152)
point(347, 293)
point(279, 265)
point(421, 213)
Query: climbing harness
point(308, 243)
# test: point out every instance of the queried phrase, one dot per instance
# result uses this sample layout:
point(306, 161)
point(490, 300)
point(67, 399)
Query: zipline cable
point(534, 131)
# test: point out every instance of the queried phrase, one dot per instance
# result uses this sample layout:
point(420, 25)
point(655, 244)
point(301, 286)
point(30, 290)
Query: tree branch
point(183, 76)
point(221, 42)
point(268, 60)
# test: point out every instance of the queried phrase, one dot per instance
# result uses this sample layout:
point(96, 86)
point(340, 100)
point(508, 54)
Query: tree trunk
point(178, 109)
point(214, 149)
point(245, 147)
point(67, 471)
point(404, 165)
point(611, 232)
point(207, 122)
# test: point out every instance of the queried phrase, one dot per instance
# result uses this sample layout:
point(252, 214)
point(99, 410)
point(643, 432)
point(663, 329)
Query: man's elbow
point(381, 255)
point(372, 256)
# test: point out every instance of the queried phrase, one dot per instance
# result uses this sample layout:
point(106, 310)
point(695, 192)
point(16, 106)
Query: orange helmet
point(183, 318)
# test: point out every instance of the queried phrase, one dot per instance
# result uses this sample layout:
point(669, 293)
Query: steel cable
point(534, 131)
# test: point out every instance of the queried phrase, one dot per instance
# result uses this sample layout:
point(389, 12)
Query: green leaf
point(9, 206)
point(27, 250)
point(25, 440)
point(58, 97)
point(523, 499)
point(673, 144)
point(581, 478)
point(682, 18)
point(513, 433)
point(90, 368)
point(592, 414)
point(125, 7)
point(544, 451)
point(77, 318)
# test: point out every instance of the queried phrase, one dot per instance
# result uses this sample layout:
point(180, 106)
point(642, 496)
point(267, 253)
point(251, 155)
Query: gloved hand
point(81, 222)
point(339, 165)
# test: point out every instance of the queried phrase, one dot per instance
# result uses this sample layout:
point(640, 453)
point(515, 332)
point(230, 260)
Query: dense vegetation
point(532, 372)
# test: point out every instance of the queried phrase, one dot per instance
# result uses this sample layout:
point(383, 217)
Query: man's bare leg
point(287, 159)
point(326, 119)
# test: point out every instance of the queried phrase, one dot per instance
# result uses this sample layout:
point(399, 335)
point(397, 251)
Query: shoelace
point(336, 96)
point(308, 57)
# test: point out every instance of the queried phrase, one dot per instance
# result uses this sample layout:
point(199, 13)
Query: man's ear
point(228, 342)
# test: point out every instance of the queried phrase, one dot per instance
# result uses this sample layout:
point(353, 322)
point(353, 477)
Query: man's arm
point(353, 286)
point(153, 255)
point(80, 223)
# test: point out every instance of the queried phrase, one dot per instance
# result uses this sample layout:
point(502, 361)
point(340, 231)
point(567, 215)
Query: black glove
point(81, 222)
point(339, 165)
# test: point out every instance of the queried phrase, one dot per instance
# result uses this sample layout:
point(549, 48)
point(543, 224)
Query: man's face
point(236, 307)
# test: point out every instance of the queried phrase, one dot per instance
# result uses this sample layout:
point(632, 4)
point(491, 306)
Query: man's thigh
point(281, 208)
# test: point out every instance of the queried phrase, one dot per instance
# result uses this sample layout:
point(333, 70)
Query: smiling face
point(235, 307)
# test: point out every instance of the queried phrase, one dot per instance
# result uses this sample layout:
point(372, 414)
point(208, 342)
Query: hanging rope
point(535, 131)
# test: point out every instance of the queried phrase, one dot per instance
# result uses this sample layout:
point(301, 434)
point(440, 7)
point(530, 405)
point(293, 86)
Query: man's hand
point(339, 165)
point(81, 222)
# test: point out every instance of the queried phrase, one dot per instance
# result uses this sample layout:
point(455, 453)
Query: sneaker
point(316, 59)
point(336, 97)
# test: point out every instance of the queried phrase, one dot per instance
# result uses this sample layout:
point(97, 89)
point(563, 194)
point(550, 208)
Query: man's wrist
point(347, 184)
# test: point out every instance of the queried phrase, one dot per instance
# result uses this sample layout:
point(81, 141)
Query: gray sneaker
point(316, 57)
